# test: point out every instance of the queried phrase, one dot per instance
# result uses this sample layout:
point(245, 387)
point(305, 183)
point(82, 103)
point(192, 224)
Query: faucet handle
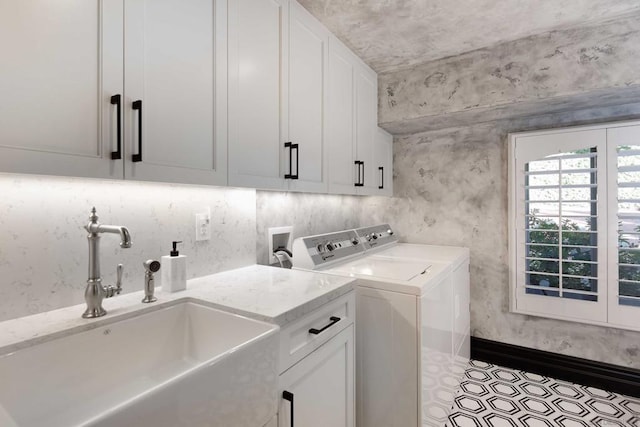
point(119, 278)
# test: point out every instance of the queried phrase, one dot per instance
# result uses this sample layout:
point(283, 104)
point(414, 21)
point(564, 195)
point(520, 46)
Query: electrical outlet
point(203, 225)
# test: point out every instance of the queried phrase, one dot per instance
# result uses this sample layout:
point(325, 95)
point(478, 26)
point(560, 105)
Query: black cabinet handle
point(333, 319)
point(117, 101)
point(287, 395)
point(292, 147)
point(137, 105)
point(297, 148)
point(381, 169)
point(360, 181)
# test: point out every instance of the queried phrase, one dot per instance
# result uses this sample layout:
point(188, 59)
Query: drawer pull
point(287, 395)
point(333, 319)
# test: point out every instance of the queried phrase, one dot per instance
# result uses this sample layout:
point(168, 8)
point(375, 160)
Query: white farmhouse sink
point(186, 364)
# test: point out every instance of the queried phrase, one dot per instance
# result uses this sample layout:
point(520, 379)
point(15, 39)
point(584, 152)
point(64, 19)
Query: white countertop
point(270, 294)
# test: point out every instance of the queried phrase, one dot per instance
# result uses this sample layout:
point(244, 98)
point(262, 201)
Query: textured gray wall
point(388, 34)
point(451, 189)
point(558, 71)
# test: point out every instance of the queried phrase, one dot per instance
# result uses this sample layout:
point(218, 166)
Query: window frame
point(609, 313)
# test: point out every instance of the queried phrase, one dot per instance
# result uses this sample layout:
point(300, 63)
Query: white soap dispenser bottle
point(174, 270)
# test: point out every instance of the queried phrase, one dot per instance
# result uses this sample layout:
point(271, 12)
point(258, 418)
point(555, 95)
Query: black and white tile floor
point(493, 396)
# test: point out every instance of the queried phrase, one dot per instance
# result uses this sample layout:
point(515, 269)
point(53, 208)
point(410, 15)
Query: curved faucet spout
point(125, 236)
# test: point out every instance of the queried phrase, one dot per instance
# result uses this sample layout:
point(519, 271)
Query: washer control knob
point(355, 242)
point(390, 231)
point(330, 246)
point(320, 248)
point(374, 236)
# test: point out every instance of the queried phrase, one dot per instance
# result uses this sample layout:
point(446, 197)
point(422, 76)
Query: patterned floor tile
point(494, 396)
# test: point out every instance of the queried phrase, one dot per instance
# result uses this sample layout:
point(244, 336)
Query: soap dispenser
point(174, 270)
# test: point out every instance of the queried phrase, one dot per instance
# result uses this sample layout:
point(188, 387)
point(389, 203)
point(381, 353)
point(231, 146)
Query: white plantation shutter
point(560, 223)
point(575, 224)
point(624, 241)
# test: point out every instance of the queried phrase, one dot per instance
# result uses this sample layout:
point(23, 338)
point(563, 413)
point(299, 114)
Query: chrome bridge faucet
point(95, 292)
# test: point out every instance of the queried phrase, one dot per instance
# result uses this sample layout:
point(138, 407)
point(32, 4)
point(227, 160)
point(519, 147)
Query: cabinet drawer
point(295, 339)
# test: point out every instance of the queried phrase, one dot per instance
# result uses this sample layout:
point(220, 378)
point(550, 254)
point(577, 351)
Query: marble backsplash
point(308, 214)
point(451, 189)
point(43, 246)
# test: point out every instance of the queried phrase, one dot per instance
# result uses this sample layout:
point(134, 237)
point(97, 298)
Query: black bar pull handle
point(296, 147)
point(291, 146)
point(287, 395)
point(360, 182)
point(381, 169)
point(333, 319)
point(117, 101)
point(137, 105)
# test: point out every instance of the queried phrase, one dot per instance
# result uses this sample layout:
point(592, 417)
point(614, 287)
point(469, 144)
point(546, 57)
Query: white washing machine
point(381, 241)
point(407, 369)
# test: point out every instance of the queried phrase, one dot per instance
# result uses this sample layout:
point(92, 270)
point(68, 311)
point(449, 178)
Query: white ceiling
point(391, 34)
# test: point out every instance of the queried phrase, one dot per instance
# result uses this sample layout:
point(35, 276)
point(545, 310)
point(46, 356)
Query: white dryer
point(406, 373)
point(381, 241)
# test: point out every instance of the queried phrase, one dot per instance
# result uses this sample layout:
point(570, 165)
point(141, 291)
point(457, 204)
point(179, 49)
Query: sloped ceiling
point(393, 34)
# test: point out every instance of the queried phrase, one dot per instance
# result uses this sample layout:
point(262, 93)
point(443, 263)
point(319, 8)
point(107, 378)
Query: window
point(575, 224)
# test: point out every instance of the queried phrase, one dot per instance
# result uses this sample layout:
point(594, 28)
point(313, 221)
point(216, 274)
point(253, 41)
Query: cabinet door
point(257, 70)
point(341, 119)
point(366, 97)
point(321, 386)
point(61, 64)
point(384, 162)
point(388, 373)
point(175, 102)
point(308, 40)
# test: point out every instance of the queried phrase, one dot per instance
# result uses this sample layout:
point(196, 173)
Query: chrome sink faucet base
point(95, 292)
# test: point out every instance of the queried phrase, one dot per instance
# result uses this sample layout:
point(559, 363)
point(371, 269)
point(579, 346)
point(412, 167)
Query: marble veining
point(590, 66)
point(451, 189)
point(44, 253)
point(309, 214)
point(393, 34)
point(264, 293)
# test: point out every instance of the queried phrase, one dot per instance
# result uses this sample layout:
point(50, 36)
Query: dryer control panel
point(313, 252)
point(376, 236)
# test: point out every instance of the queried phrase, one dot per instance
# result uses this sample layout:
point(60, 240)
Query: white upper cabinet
point(257, 71)
point(277, 76)
point(383, 162)
point(352, 123)
point(249, 93)
point(366, 82)
point(308, 67)
point(69, 111)
point(175, 87)
point(62, 65)
point(341, 119)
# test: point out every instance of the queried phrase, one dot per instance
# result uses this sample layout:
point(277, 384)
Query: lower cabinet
point(272, 423)
point(316, 386)
point(318, 391)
